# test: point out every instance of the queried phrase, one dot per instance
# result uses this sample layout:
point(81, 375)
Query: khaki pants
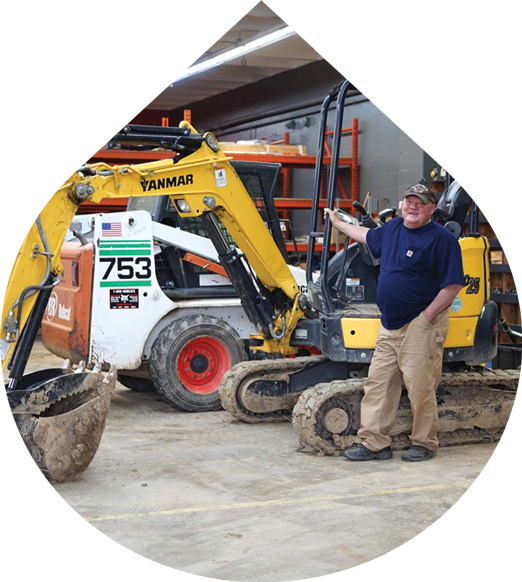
point(411, 355)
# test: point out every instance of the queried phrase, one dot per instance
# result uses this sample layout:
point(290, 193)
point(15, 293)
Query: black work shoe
point(418, 453)
point(360, 453)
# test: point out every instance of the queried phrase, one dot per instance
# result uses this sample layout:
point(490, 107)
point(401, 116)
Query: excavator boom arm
point(200, 181)
point(61, 413)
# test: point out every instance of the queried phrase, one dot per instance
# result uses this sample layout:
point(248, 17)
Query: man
point(421, 273)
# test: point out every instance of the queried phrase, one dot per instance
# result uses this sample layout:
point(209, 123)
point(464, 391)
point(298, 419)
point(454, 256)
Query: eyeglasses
point(416, 204)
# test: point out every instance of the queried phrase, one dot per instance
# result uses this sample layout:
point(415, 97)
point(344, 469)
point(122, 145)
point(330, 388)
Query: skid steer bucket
point(61, 415)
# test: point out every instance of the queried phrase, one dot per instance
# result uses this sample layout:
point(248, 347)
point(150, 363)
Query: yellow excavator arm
point(202, 182)
point(62, 415)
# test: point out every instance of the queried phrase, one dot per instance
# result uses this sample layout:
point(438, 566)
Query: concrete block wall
point(403, 137)
point(411, 154)
point(389, 161)
point(378, 156)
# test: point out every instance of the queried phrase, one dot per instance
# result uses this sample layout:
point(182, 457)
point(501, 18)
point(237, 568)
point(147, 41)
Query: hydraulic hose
point(32, 289)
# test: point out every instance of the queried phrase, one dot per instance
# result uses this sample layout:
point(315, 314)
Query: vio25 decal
point(472, 284)
point(127, 268)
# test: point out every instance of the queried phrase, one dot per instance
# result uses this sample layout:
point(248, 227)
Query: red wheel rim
point(202, 363)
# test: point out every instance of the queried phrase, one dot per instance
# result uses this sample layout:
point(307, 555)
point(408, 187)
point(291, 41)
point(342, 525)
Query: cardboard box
point(496, 257)
point(256, 148)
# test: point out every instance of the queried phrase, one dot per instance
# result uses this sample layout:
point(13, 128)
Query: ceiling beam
point(282, 63)
point(244, 74)
point(85, 52)
point(309, 54)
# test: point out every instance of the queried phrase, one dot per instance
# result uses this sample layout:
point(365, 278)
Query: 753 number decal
point(472, 284)
point(128, 268)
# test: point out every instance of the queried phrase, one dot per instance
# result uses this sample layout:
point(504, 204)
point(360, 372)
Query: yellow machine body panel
point(475, 257)
point(361, 333)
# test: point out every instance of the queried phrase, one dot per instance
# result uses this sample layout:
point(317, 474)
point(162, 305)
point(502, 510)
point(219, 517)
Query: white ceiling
point(86, 52)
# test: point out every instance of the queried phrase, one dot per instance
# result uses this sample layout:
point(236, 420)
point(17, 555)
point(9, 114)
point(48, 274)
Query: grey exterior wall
point(402, 136)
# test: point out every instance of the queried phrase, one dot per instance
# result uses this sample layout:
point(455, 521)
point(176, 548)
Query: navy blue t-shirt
point(415, 265)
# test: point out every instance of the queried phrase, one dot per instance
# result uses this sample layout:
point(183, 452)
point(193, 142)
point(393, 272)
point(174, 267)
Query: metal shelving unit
point(288, 161)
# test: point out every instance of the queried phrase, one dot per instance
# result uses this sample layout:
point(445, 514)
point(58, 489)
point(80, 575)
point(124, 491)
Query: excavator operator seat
point(453, 205)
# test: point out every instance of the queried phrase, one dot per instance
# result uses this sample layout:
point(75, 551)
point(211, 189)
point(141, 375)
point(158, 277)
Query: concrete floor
point(207, 495)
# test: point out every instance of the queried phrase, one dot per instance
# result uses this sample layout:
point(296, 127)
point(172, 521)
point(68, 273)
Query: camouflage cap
point(422, 192)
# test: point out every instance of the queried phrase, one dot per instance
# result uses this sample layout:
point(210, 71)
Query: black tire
point(136, 384)
point(189, 358)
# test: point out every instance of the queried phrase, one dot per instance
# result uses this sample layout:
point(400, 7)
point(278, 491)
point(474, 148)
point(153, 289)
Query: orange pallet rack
point(288, 162)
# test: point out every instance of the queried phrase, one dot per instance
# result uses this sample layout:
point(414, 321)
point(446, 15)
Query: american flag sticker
point(111, 229)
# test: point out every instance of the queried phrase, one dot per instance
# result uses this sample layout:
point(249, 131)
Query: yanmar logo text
point(162, 183)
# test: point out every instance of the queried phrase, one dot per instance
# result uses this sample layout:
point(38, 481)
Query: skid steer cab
point(51, 422)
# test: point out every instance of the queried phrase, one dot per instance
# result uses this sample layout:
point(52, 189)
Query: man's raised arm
point(357, 233)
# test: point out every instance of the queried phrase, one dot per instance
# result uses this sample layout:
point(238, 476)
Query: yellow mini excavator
point(61, 413)
point(341, 319)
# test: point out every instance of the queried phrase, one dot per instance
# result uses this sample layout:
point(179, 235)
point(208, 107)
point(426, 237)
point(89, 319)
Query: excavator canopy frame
point(446, 83)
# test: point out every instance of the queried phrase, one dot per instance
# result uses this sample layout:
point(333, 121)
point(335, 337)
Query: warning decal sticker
point(4, 348)
point(124, 298)
point(221, 178)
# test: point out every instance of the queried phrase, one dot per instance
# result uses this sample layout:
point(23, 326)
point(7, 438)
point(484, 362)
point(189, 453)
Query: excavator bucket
point(61, 415)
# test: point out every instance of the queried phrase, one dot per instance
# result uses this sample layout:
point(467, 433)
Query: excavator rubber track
point(237, 379)
point(474, 407)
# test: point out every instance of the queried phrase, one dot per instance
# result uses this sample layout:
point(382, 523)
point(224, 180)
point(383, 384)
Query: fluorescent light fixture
point(106, 106)
point(267, 39)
